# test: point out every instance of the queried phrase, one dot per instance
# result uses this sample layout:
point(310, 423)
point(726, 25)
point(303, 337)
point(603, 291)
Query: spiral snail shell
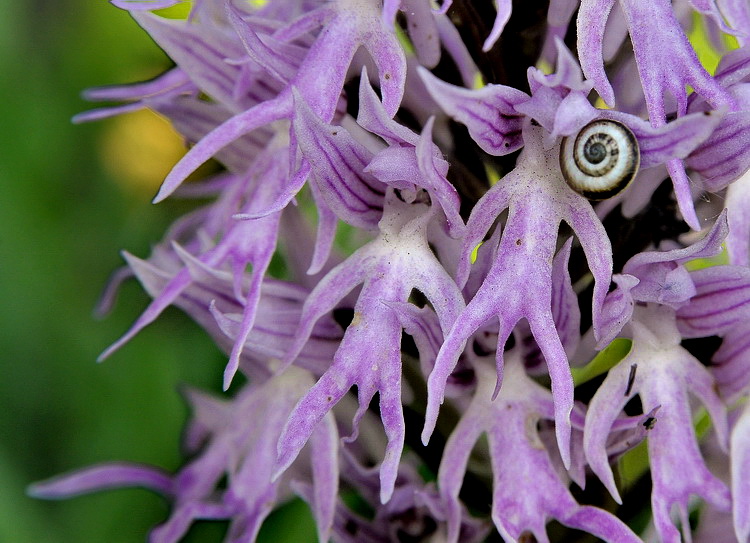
point(601, 160)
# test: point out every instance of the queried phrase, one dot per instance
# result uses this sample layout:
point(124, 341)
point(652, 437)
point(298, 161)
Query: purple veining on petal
point(488, 113)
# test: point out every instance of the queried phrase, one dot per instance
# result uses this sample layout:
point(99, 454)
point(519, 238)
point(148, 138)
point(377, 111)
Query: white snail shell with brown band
point(601, 160)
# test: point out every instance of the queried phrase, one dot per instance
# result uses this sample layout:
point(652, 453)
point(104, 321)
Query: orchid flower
point(468, 203)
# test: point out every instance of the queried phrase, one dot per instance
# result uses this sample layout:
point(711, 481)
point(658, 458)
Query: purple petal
point(738, 215)
point(656, 34)
point(103, 477)
point(723, 156)
point(324, 454)
point(710, 9)
point(734, 67)
point(390, 60)
point(221, 136)
point(567, 73)
point(454, 45)
point(278, 58)
point(200, 51)
point(489, 113)
point(194, 118)
point(433, 179)
point(595, 243)
point(377, 369)
point(338, 162)
point(617, 308)
point(327, 224)
point(662, 279)
point(566, 314)
point(483, 215)
point(504, 8)
point(423, 31)
point(676, 139)
point(332, 288)
point(722, 301)
point(592, 20)
point(373, 116)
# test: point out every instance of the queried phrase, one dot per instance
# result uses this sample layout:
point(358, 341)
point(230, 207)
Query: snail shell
point(601, 160)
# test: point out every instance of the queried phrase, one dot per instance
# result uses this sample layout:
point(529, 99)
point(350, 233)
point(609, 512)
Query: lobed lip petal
point(538, 200)
point(655, 33)
point(243, 243)
point(388, 268)
point(665, 374)
point(319, 78)
point(516, 453)
point(244, 452)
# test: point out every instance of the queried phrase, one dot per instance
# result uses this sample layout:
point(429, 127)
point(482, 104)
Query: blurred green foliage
point(64, 218)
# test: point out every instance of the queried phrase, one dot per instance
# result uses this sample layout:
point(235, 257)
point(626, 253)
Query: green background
point(64, 216)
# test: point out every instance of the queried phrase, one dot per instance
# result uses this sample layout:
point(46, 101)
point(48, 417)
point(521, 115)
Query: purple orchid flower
point(396, 262)
point(517, 456)
point(661, 373)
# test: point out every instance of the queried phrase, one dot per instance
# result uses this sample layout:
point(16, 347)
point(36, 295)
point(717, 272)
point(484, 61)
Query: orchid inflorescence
point(538, 201)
